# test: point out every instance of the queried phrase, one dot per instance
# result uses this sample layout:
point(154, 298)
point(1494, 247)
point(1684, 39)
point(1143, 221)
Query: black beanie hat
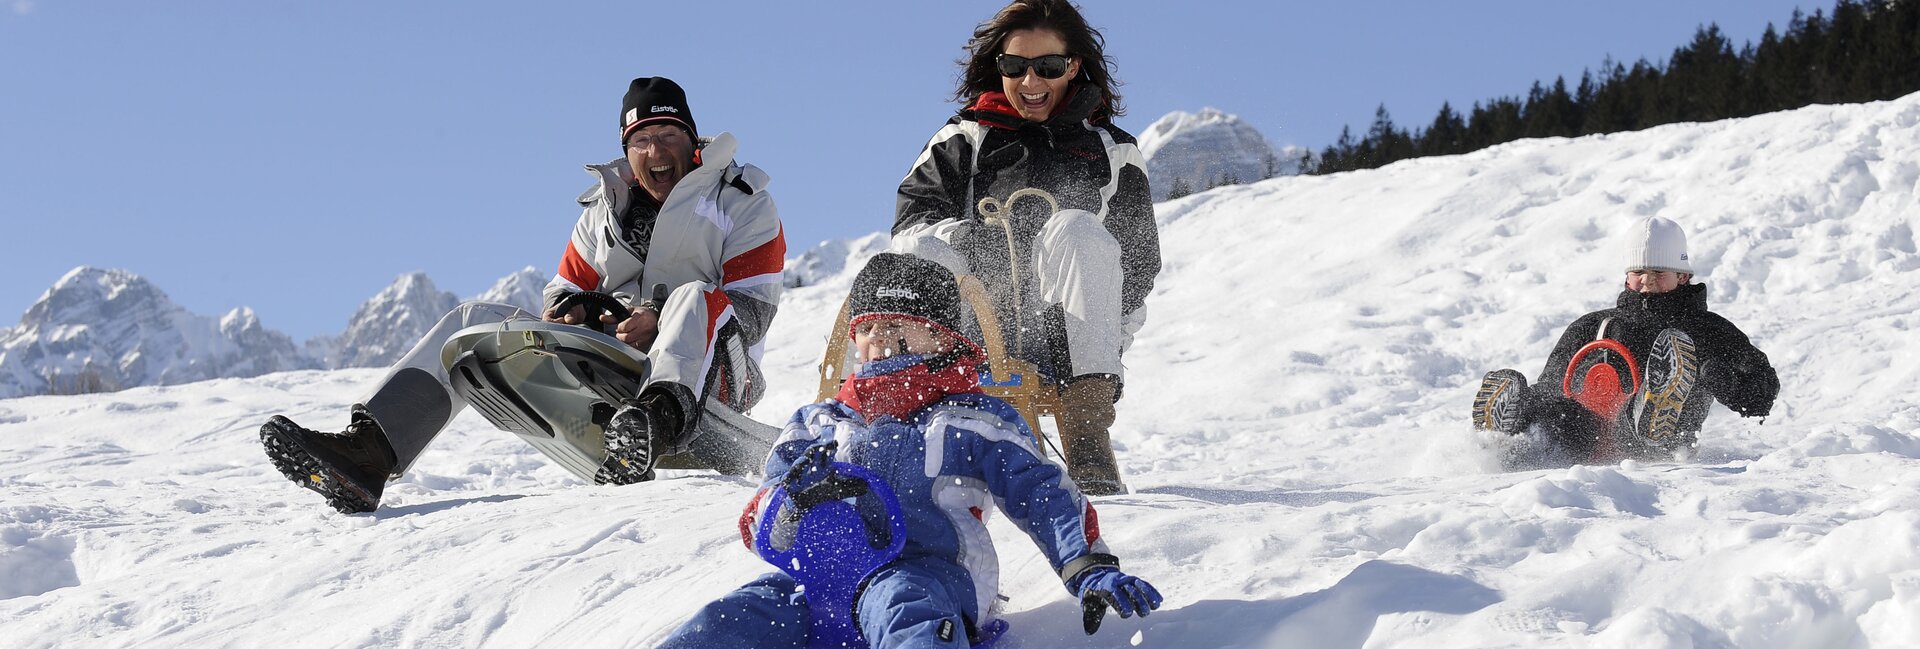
point(651, 100)
point(899, 285)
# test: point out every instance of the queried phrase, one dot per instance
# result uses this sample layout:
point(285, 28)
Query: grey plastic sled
point(556, 385)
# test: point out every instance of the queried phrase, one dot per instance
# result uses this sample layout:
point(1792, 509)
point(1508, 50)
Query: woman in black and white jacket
point(1068, 266)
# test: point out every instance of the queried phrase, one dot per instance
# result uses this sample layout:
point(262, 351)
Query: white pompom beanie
point(1658, 244)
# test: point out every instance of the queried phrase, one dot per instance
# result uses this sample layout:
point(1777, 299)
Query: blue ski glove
point(1106, 586)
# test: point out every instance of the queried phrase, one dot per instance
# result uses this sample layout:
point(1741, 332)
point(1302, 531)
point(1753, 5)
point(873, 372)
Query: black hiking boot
point(1496, 406)
point(637, 435)
point(1672, 373)
point(348, 468)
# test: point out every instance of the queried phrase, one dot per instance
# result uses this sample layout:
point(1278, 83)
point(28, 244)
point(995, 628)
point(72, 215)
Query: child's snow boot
point(1496, 406)
point(1672, 373)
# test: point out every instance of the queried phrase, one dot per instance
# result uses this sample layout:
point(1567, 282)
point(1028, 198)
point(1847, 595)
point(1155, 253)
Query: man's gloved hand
point(1106, 587)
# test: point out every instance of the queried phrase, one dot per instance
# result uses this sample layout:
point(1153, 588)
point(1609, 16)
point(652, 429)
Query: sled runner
point(556, 385)
point(1593, 380)
point(831, 537)
point(1016, 381)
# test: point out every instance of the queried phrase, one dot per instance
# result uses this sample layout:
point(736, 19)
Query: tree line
point(1866, 50)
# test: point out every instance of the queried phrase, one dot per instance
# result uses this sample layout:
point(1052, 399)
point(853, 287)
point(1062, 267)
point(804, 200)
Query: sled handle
point(1606, 344)
point(595, 303)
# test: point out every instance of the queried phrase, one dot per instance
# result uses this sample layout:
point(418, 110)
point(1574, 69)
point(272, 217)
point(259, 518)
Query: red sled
point(1601, 391)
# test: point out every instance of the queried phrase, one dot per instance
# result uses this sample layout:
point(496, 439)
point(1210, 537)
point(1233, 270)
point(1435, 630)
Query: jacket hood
point(615, 177)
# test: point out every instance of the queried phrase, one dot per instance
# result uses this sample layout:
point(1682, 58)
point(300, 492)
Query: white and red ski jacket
point(718, 227)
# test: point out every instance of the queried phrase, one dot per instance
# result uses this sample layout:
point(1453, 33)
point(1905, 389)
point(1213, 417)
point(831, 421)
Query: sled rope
point(998, 212)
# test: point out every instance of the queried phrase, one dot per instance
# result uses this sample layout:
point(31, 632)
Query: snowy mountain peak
point(1171, 124)
point(87, 287)
point(101, 329)
point(521, 289)
point(239, 319)
point(408, 286)
point(104, 329)
point(832, 258)
point(1197, 151)
point(389, 324)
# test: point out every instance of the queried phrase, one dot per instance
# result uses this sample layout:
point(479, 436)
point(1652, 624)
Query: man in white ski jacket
point(675, 212)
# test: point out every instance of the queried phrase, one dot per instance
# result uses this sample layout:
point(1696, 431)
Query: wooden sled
point(1013, 380)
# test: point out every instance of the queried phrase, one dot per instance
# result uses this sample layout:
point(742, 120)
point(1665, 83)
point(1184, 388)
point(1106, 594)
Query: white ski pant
point(1074, 263)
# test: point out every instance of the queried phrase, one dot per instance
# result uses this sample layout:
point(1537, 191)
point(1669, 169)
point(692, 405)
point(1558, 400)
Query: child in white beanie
point(1686, 357)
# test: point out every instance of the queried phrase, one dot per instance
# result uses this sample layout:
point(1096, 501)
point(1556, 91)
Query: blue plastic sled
point(832, 552)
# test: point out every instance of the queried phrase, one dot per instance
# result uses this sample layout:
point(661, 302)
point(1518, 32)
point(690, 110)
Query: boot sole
point(617, 472)
point(632, 464)
point(281, 439)
point(1496, 406)
point(1665, 402)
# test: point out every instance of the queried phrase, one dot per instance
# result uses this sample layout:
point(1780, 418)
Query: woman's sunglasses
point(1051, 66)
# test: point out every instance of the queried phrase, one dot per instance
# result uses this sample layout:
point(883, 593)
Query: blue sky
point(296, 157)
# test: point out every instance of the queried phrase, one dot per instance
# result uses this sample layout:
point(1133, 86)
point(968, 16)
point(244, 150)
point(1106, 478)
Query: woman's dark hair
point(978, 74)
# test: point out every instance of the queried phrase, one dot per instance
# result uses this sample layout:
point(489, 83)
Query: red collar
point(994, 109)
point(904, 391)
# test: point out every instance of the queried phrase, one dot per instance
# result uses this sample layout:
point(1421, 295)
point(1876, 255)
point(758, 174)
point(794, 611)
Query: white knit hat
point(1658, 244)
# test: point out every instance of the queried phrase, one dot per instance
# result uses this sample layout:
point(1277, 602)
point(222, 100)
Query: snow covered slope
point(1295, 431)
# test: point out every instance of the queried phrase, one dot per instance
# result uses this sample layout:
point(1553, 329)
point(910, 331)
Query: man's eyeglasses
point(1051, 66)
point(667, 137)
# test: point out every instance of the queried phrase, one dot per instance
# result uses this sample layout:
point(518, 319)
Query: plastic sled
point(834, 547)
point(1593, 380)
point(1013, 380)
point(556, 385)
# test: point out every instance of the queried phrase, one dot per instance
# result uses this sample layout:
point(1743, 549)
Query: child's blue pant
point(906, 605)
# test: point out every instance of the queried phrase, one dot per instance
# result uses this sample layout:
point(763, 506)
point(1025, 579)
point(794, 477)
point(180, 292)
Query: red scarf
point(900, 386)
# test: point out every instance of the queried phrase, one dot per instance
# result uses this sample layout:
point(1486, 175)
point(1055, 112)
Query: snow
point(1295, 432)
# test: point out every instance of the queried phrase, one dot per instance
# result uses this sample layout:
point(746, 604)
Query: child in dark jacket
point(1688, 357)
point(913, 415)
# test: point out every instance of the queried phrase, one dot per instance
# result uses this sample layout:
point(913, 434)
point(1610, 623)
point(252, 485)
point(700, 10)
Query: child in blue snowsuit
point(914, 415)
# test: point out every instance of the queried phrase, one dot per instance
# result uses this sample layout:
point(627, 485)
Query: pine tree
point(1868, 50)
point(1179, 188)
point(1389, 144)
point(1702, 79)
